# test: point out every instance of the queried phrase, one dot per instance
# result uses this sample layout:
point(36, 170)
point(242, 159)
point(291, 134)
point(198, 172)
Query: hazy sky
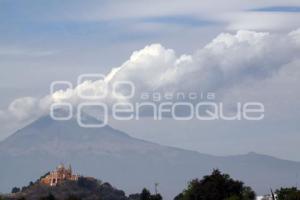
point(42, 41)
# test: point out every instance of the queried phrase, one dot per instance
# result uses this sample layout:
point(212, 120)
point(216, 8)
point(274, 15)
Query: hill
point(129, 163)
point(83, 189)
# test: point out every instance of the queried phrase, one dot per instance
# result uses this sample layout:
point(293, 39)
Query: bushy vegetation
point(288, 194)
point(49, 197)
point(146, 195)
point(82, 189)
point(15, 190)
point(216, 186)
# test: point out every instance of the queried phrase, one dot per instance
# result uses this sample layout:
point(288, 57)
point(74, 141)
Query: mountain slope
point(126, 162)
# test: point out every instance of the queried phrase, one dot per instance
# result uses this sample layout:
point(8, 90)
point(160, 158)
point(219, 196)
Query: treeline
point(287, 194)
point(217, 186)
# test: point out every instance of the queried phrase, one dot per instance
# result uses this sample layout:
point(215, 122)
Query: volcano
point(128, 163)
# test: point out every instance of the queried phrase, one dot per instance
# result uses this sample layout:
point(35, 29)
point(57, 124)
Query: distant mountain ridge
point(129, 163)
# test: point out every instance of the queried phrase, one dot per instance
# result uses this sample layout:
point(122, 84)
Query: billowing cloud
point(227, 61)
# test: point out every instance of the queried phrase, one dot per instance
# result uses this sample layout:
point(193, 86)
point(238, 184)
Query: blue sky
point(278, 9)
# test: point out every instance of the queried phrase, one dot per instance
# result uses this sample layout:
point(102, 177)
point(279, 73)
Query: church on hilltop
point(59, 175)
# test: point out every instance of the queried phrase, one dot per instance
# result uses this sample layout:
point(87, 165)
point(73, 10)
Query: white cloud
point(22, 111)
point(295, 35)
point(227, 61)
point(26, 108)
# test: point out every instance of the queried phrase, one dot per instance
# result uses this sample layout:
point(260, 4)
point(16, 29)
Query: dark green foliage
point(86, 188)
point(248, 193)
point(156, 197)
point(30, 183)
point(15, 190)
point(288, 194)
point(49, 197)
point(72, 197)
point(216, 186)
point(146, 195)
point(179, 196)
point(86, 183)
point(24, 188)
point(134, 196)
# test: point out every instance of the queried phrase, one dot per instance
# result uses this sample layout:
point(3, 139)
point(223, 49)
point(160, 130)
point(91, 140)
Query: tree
point(49, 197)
point(248, 193)
point(179, 196)
point(156, 197)
point(145, 195)
point(288, 194)
point(216, 186)
point(15, 190)
point(87, 183)
point(134, 196)
point(73, 197)
point(31, 183)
